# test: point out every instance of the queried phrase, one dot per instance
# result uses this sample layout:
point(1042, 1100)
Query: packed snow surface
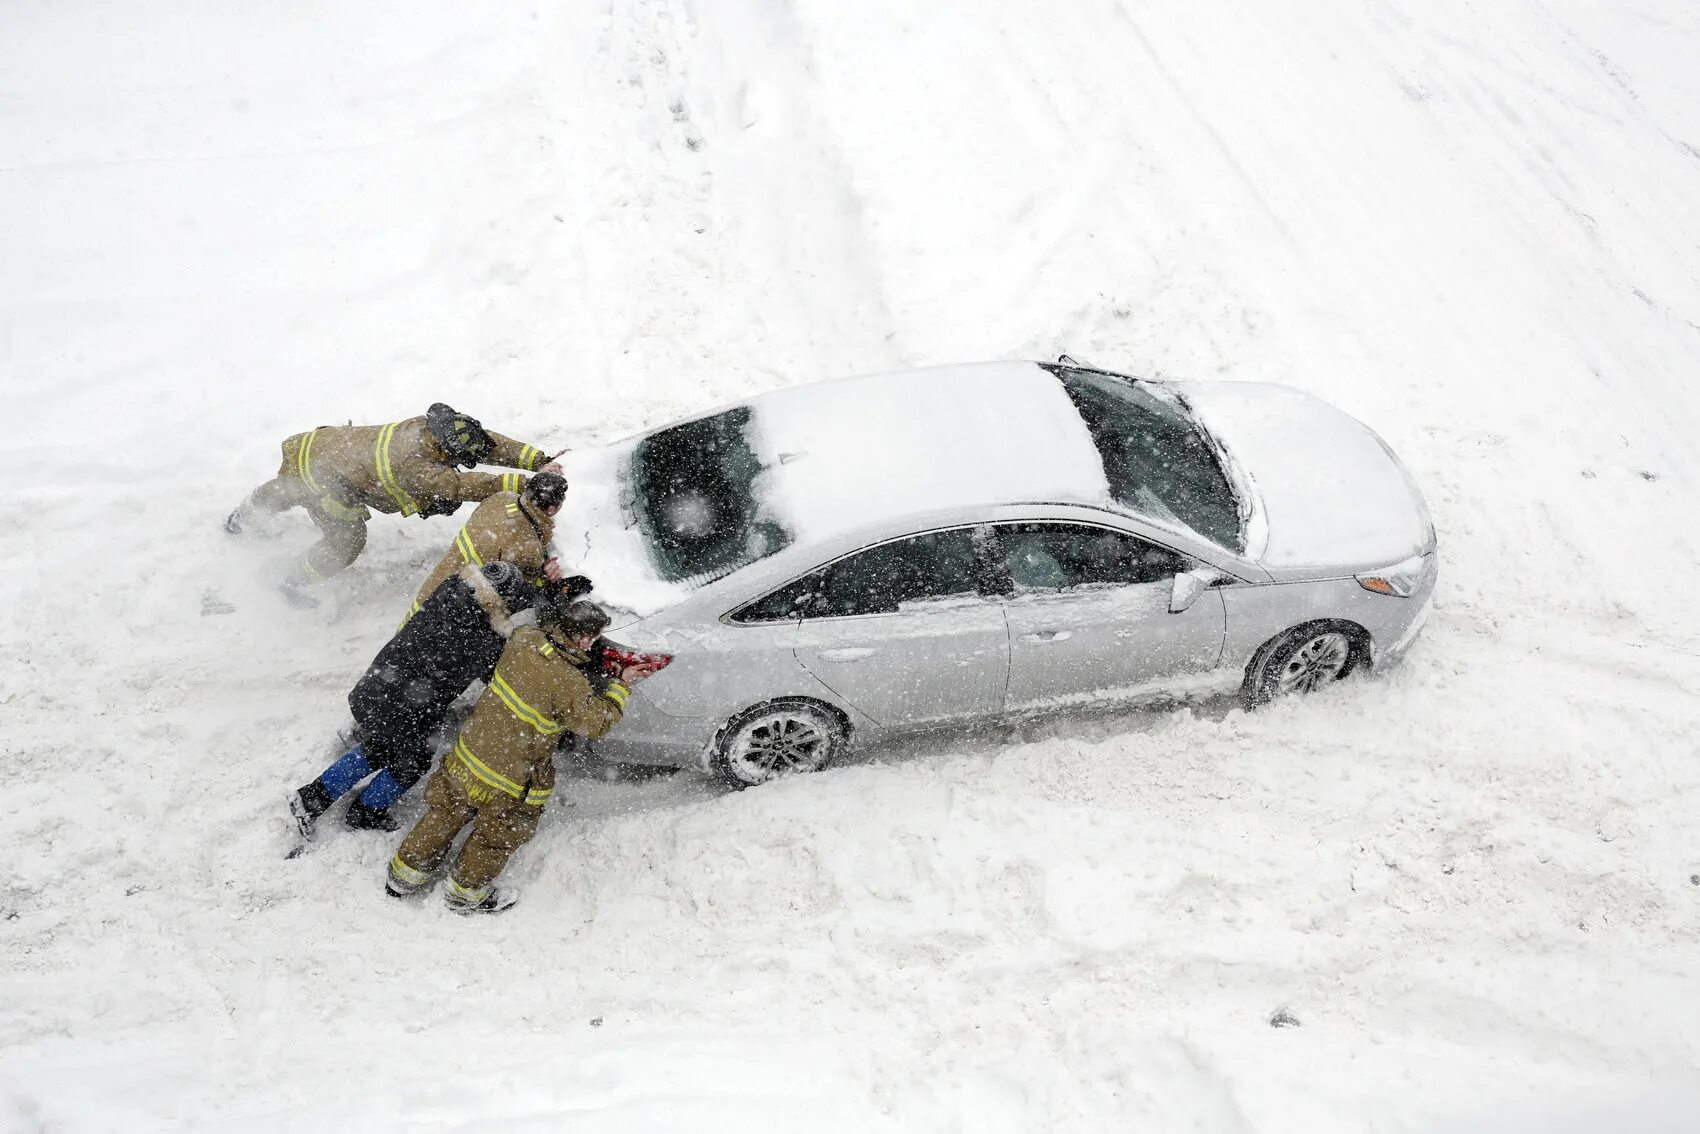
point(1469, 887)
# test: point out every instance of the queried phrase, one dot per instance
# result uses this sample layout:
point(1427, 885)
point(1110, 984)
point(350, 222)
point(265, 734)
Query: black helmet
point(461, 437)
point(572, 618)
point(546, 489)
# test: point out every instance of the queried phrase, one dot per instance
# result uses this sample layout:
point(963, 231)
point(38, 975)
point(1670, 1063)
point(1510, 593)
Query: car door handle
point(1047, 636)
point(846, 653)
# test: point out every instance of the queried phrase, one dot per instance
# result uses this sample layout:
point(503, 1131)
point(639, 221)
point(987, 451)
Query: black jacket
point(452, 641)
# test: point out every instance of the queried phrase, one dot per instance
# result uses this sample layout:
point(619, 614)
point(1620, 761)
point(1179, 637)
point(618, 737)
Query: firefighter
point(501, 770)
point(506, 528)
point(342, 473)
point(401, 701)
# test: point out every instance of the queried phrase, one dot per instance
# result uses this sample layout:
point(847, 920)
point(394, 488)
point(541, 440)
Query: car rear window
point(696, 496)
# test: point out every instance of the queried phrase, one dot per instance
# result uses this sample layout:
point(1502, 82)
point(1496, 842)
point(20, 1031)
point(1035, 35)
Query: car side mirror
point(1190, 584)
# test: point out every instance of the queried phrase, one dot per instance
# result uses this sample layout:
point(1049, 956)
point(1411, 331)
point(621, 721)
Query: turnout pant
point(501, 825)
point(342, 525)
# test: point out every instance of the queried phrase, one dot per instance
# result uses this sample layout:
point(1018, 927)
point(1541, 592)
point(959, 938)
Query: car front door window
point(1089, 617)
point(1062, 557)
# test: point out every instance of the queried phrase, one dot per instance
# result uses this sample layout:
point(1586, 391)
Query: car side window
point(787, 602)
point(1060, 557)
point(882, 579)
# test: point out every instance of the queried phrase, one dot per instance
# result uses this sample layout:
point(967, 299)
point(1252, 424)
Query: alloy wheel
point(776, 743)
point(1323, 658)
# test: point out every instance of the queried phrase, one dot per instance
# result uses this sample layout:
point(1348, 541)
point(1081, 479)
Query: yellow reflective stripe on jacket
point(517, 706)
point(468, 553)
point(547, 649)
point(617, 692)
point(529, 457)
point(536, 798)
point(512, 509)
point(408, 617)
point(512, 482)
point(485, 772)
point(304, 462)
point(386, 473)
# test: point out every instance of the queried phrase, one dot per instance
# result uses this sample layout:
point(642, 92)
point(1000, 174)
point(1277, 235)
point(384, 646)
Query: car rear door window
point(1062, 557)
point(788, 601)
point(883, 579)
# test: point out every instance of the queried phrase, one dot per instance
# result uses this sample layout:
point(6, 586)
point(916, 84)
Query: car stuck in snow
point(848, 559)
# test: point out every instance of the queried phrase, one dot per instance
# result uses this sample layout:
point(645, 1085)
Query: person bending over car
point(341, 474)
point(502, 770)
point(401, 701)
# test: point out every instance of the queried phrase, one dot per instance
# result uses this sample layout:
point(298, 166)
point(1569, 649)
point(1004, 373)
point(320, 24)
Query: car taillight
point(616, 658)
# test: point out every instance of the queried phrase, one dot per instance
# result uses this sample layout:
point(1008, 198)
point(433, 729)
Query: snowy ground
point(1475, 882)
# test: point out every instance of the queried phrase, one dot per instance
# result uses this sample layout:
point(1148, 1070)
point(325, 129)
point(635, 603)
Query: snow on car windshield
point(694, 491)
point(1157, 460)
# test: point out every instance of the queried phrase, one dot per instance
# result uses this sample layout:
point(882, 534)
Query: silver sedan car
point(842, 560)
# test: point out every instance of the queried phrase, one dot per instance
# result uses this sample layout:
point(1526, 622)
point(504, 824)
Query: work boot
point(363, 818)
point(306, 805)
point(295, 593)
point(483, 900)
point(402, 881)
point(249, 520)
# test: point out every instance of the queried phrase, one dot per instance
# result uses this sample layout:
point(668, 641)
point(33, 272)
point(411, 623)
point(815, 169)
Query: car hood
point(1327, 494)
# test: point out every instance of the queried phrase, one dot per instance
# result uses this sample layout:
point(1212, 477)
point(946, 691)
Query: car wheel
point(1302, 660)
point(777, 739)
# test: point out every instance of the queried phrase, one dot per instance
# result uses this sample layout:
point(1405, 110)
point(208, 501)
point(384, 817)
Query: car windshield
point(1157, 459)
point(695, 492)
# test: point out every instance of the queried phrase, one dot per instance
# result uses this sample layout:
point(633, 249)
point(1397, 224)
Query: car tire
point(778, 738)
point(1302, 660)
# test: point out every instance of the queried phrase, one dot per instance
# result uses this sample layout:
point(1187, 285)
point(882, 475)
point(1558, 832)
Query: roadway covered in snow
point(1472, 882)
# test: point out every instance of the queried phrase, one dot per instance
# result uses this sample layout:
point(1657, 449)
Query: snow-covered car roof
point(840, 456)
point(854, 451)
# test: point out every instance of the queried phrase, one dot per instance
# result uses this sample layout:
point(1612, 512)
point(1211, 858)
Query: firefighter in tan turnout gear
point(507, 527)
point(341, 474)
point(501, 770)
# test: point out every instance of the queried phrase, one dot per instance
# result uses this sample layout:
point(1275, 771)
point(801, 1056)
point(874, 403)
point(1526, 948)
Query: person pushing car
point(341, 474)
point(501, 770)
point(404, 696)
point(506, 527)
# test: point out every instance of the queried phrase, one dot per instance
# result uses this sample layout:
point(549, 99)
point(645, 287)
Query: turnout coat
point(506, 527)
point(395, 468)
point(538, 692)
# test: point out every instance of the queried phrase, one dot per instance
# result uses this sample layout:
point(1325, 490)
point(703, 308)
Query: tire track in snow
point(714, 167)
